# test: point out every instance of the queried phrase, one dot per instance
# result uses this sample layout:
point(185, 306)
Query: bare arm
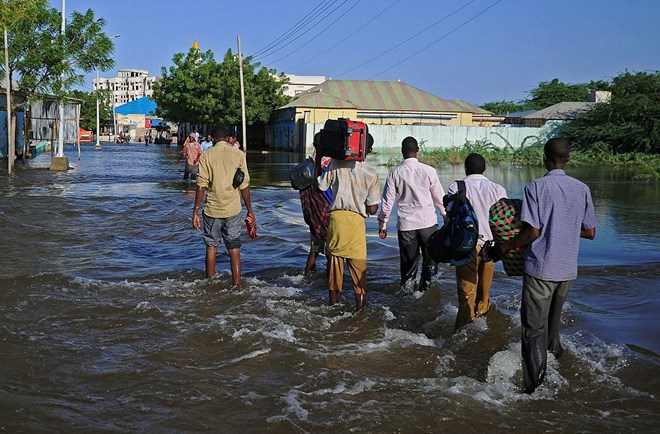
point(199, 196)
point(372, 209)
point(589, 234)
point(245, 194)
point(526, 236)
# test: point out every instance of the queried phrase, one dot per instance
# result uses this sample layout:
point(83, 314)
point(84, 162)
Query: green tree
point(199, 90)
point(548, 93)
point(88, 107)
point(630, 122)
point(503, 107)
point(43, 61)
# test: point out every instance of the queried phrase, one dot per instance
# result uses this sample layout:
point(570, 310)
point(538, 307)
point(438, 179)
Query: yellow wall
point(320, 115)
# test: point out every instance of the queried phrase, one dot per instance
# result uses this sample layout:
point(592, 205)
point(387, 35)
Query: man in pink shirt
point(417, 191)
point(474, 278)
point(191, 152)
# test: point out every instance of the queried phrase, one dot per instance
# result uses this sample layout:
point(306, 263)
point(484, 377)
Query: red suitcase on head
point(344, 139)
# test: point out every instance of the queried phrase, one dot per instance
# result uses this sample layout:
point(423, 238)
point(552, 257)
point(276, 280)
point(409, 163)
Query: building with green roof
point(386, 102)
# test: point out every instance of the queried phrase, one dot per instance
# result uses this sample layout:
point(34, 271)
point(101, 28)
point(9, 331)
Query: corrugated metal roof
point(386, 95)
point(561, 111)
point(318, 99)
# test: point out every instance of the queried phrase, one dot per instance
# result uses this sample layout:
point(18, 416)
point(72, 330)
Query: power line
point(286, 34)
point(301, 27)
point(407, 40)
point(324, 29)
point(346, 37)
point(437, 40)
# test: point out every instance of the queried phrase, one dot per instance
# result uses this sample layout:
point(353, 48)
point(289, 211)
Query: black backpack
point(456, 240)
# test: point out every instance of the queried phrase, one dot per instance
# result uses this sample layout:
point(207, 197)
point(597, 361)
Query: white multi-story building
point(127, 86)
point(300, 83)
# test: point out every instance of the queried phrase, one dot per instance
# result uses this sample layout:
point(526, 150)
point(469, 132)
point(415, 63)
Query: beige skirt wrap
point(347, 235)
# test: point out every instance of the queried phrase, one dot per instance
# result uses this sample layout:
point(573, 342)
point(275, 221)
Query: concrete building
point(129, 85)
point(301, 83)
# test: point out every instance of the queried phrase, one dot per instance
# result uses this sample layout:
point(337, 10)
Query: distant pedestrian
point(417, 192)
point(235, 143)
point(557, 211)
point(191, 153)
point(207, 142)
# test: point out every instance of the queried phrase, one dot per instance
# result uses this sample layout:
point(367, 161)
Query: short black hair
point(219, 132)
point(409, 145)
point(317, 139)
point(475, 164)
point(370, 143)
point(557, 150)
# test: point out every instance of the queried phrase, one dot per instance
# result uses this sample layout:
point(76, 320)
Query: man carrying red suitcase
point(356, 195)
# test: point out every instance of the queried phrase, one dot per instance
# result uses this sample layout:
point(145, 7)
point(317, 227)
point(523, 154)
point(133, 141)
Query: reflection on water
point(108, 323)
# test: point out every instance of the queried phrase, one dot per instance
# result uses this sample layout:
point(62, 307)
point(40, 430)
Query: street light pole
point(60, 130)
point(98, 117)
point(10, 136)
point(59, 162)
point(98, 121)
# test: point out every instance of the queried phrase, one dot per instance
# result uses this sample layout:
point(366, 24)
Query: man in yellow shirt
point(222, 208)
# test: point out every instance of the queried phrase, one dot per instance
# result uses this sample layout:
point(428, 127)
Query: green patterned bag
point(505, 224)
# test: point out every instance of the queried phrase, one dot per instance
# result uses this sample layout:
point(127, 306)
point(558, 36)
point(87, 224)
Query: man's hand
point(195, 220)
point(382, 233)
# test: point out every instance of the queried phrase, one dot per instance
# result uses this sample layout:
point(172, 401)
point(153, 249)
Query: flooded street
point(108, 323)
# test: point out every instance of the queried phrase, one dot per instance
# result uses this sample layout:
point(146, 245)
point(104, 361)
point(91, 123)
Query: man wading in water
point(222, 208)
point(557, 211)
point(356, 195)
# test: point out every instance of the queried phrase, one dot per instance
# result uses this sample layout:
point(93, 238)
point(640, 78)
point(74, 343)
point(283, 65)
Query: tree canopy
point(197, 89)
point(43, 61)
point(545, 94)
point(630, 122)
point(88, 107)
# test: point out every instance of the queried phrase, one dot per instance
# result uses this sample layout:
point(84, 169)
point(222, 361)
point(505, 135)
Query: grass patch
point(643, 167)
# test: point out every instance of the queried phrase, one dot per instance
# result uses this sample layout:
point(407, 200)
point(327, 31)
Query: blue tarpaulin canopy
point(141, 106)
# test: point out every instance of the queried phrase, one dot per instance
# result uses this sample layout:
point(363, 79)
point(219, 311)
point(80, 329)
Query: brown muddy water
point(108, 325)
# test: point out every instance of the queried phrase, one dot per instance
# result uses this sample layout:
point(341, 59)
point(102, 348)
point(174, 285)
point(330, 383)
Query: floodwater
point(108, 325)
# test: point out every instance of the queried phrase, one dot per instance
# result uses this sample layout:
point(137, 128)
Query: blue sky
point(474, 50)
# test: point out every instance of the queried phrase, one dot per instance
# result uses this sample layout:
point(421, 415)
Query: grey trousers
point(412, 245)
point(540, 317)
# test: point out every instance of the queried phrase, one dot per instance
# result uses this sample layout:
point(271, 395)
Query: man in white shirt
point(417, 191)
point(474, 278)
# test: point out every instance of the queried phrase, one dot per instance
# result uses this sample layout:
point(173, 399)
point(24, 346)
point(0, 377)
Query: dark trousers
point(412, 245)
point(540, 317)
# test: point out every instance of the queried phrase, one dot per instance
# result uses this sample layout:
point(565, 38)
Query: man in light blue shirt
point(417, 191)
point(557, 211)
point(207, 143)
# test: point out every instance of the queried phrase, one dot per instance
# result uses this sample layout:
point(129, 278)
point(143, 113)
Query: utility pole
point(240, 69)
point(10, 136)
point(98, 118)
point(59, 162)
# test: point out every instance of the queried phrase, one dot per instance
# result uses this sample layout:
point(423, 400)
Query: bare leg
point(311, 262)
point(235, 261)
point(210, 261)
